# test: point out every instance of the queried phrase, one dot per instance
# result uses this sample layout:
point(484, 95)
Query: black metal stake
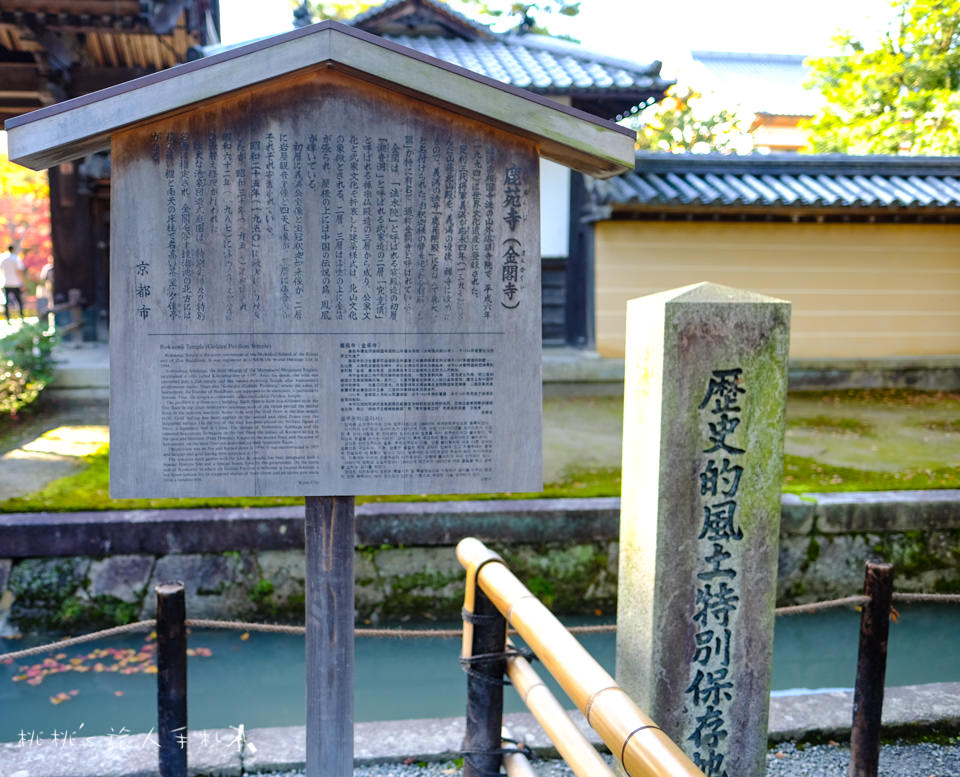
point(329, 531)
point(172, 680)
point(871, 670)
point(481, 745)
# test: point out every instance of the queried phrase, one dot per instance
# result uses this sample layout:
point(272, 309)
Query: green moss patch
point(90, 490)
point(100, 612)
point(805, 474)
point(892, 397)
point(943, 425)
point(833, 425)
point(856, 440)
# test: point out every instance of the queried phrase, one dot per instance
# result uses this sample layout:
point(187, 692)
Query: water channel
point(257, 679)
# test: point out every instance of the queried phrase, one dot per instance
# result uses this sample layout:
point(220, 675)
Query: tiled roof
point(833, 182)
point(604, 85)
point(364, 19)
point(541, 64)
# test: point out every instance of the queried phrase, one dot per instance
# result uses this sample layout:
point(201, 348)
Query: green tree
point(686, 121)
point(899, 97)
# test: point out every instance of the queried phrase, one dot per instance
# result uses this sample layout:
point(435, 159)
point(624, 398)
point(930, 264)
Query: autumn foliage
point(25, 214)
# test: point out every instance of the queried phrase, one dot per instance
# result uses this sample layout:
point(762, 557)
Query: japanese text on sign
point(718, 594)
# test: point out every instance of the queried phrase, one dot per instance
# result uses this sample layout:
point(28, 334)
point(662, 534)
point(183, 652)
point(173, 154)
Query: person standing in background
point(45, 287)
point(12, 270)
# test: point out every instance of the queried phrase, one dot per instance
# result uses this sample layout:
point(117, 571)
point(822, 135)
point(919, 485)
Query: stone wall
point(826, 538)
point(406, 566)
point(79, 593)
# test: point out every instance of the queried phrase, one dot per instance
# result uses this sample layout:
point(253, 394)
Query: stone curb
point(816, 715)
point(85, 373)
point(33, 535)
point(933, 373)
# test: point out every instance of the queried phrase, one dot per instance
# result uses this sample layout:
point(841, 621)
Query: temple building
point(55, 50)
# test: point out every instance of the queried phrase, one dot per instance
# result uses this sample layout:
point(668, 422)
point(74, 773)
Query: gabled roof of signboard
point(787, 183)
point(81, 126)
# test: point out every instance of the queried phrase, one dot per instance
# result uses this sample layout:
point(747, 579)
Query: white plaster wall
point(554, 209)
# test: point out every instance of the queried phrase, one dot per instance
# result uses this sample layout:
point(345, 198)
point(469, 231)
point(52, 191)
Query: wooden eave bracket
point(81, 126)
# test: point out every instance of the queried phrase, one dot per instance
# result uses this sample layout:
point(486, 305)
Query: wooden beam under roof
point(10, 107)
point(93, 79)
point(18, 77)
point(75, 7)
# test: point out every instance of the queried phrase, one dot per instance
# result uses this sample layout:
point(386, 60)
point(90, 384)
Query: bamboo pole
point(516, 764)
point(642, 748)
point(484, 640)
point(573, 746)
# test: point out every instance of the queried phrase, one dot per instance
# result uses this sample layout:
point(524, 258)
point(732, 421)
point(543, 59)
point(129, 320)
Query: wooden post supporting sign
point(329, 530)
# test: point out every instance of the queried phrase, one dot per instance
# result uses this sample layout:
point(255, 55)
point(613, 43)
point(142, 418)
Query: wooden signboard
point(321, 286)
point(325, 267)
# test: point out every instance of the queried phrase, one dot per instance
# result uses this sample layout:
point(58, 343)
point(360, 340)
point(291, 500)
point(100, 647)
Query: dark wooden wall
point(80, 226)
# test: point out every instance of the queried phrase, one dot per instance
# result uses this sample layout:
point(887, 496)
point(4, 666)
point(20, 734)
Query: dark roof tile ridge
point(572, 48)
point(436, 5)
point(796, 164)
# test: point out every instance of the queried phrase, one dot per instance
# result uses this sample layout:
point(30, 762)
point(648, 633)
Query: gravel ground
point(914, 760)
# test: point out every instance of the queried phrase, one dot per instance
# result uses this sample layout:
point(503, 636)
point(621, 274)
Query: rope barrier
point(278, 628)
point(63, 643)
point(797, 609)
point(270, 628)
point(943, 598)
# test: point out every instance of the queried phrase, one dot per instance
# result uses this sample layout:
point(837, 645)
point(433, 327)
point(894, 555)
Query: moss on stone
point(100, 612)
point(261, 591)
point(42, 588)
point(568, 579)
point(909, 552)
point(947, 586)
point(813, 550)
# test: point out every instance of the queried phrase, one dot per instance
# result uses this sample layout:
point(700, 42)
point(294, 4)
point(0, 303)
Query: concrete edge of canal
point(908, 711)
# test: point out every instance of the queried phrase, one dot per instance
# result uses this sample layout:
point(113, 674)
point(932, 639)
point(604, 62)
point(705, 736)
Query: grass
point(832, 425)
point(803, 474)
point(89, 490)
point(886, 397)
point(950, 426)
point(878, 427)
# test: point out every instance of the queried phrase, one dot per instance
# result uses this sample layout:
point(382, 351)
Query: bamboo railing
point(642, 748)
